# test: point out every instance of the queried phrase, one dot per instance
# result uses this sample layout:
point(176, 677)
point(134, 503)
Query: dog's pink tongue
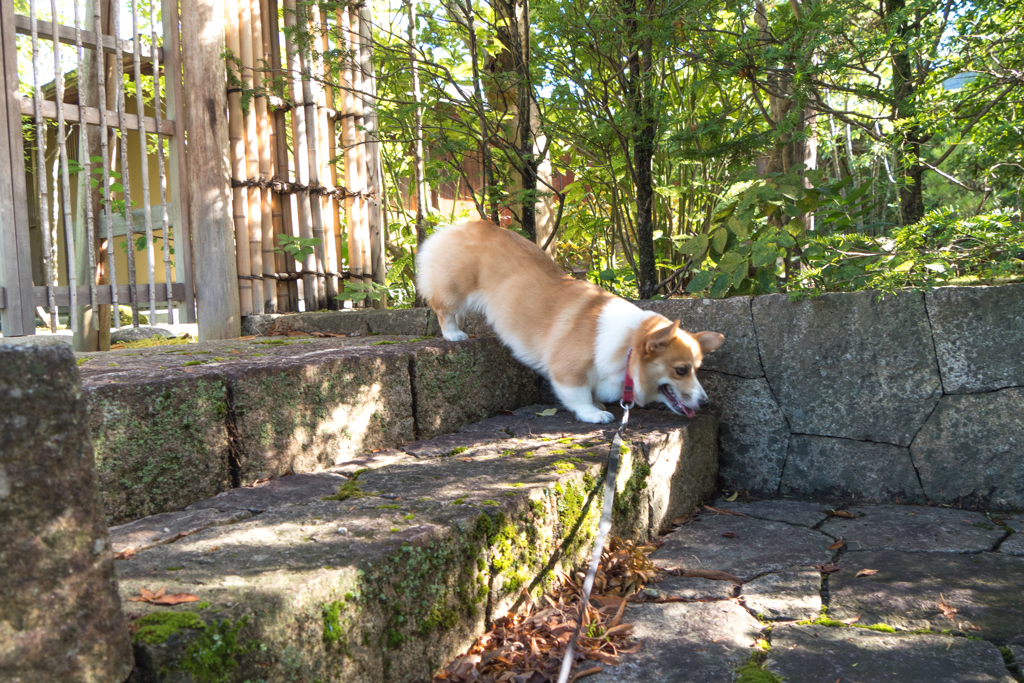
point(689, 413)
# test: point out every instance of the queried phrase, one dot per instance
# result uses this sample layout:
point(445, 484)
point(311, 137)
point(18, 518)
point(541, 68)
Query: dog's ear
point(659, 339)
point(709, 341)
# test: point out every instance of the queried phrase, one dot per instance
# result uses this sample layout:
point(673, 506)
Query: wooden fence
point(102, 203)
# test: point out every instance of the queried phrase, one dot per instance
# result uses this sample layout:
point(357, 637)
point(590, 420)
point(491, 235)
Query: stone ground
point(913, 595)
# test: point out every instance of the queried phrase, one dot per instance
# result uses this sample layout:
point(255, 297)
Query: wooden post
point(18, 316)
point(374, 179)
point(348, 143)
point(325, 132)
point(202, 25)
point(261, 56)
point(236, 137)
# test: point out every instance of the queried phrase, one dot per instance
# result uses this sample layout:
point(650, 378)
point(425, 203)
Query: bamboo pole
point(143, 158)
point(374, 174)
point(260, 50)
point(312, 158)
point(300, 145)
point(108, 276)
point(41, 183)
point(281, 206)
point(360, 123)
point(252, 158)
point(236, 137)
point(85, 332)
point(166, 223)
point(348, 142)
point(62, 160)
point(126, 187)
point(325, 133)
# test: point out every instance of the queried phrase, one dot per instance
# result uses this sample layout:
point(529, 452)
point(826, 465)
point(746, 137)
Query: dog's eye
point(683, 370)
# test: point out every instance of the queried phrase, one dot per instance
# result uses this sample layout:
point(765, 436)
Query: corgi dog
point(573, 332)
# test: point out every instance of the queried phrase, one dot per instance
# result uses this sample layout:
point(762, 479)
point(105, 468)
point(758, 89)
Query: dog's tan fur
point(550, 320)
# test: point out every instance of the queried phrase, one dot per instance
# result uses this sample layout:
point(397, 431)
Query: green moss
point(558, 452)
point(388, 506)
point(492, 503)
point(754, 672)
point(211, 657)
point(174, 569)
point(507, 453)
point(455, 451)
point(157, 627)
point(833, 623)
point(382, 343)
point(409, 516)
point(193, 362)
point(153, 341)
point(629, 499)
point(350, 489)
point(563, 466)
point(273, 342)
point(395, 529)
point(82, 361)
point(460, 500)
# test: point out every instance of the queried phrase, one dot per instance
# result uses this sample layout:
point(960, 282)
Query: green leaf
point(721, 286)
point(763, 255)
point(766, 278)
point(730, 261)
point(719, 239)
point(784, 239)
point(548, 413)
point(700, 282)
point(608, 275)
point(695, 245)
point(737, 227)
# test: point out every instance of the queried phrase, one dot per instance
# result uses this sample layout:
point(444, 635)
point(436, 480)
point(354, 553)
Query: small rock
point(130, 334)
point(342, 530)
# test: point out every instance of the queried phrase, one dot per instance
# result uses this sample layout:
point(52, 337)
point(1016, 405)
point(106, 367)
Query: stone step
point(386, 567)
point(877, 627)
point(173, 425)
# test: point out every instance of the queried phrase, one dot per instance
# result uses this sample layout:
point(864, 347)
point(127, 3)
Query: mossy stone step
point(400, 567)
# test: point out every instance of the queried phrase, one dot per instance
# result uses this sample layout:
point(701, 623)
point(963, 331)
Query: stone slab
point(130, 334)
point(462, 382)
point(786, 596)
point(60, 613)
point(826, 468)
point(850, 365)
point(400, 321)
point(979, 336)
point(795, 512)
point(1017, 652)
point(1013, 545)
point(685, 643)
point(754, 436)
point(690, 588)
point(168, 527)
point(730, 317)
point(915, 529)
point(814, 654)
point(317, 408)
point(391, 582)
point(756, 546)
point(984, 588)
point(969, 451)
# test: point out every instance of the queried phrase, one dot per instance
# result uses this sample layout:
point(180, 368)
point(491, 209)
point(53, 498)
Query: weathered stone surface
point(130, 334)
point(161, 442)
point(789, 511)
point(60, 614)
point(731, 317)
point(969, 451)
point(984, 588)
point(788, 596)
point(753, 437)
point(61, 340)
point(685, 643)
point(690, 588)
point(755, 547)
point(168, 527)
point(813, 654)
point(389, 583)
point(979, 336)
point(307, 411)
point(848, 365)
point(1014, 544)
point(410, 322)
point(840, 469)
point(473, 324)
point(914, 529)
point(461, 382)
point(1017, 652)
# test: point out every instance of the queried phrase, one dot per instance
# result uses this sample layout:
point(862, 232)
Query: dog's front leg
point(580, 400)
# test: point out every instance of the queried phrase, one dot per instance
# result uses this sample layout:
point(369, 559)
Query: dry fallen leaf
point(729, 534)
point(247, 337)
point(124, 554)
point(161, 598)
point(506, 412)
point(712, 574)
point(548, 413)
point(719, 511)
point(841, 513)
point(828, 567)
point(733, 497)
point(866, 572)
point(947, 610)
point(837, 545)
point(850, 620)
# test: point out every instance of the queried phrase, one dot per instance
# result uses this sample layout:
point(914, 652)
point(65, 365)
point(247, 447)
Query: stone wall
point(916, 397)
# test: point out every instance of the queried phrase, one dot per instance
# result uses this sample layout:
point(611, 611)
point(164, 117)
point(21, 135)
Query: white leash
point(606, 522)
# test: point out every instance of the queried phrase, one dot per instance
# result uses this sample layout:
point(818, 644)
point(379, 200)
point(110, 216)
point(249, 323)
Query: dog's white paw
point(458, 335)
point(596, 416)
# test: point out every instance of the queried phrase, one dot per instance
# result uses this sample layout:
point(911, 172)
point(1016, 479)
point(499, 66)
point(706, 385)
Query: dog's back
point(534, 307)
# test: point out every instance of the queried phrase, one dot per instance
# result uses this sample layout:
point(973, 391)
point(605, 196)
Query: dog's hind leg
point(449, 322)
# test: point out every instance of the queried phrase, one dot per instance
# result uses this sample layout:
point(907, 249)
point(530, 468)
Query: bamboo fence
point(299, 152)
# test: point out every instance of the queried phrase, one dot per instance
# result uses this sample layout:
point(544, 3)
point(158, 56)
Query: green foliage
point(297, 247)
point(362, 291)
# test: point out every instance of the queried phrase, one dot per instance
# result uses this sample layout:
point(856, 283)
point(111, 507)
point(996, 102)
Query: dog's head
point(669, 358)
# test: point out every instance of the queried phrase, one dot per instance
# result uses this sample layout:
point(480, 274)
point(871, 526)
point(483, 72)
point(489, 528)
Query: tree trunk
point(904, 91)
point(417, 145)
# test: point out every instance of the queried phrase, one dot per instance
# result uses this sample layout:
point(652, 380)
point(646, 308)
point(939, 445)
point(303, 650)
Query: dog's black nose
point(702, 402)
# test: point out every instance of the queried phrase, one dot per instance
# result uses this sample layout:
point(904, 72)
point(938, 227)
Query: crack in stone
point(234, 438)
point(848, 438)
point(412, 391)
point(931, 335)
point(771, 390)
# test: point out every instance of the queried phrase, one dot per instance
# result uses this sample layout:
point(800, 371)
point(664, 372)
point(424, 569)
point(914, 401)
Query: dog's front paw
point(458, 335)
point(594, 415)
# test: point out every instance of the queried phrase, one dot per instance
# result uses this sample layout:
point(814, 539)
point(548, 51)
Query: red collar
point(627, 388)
